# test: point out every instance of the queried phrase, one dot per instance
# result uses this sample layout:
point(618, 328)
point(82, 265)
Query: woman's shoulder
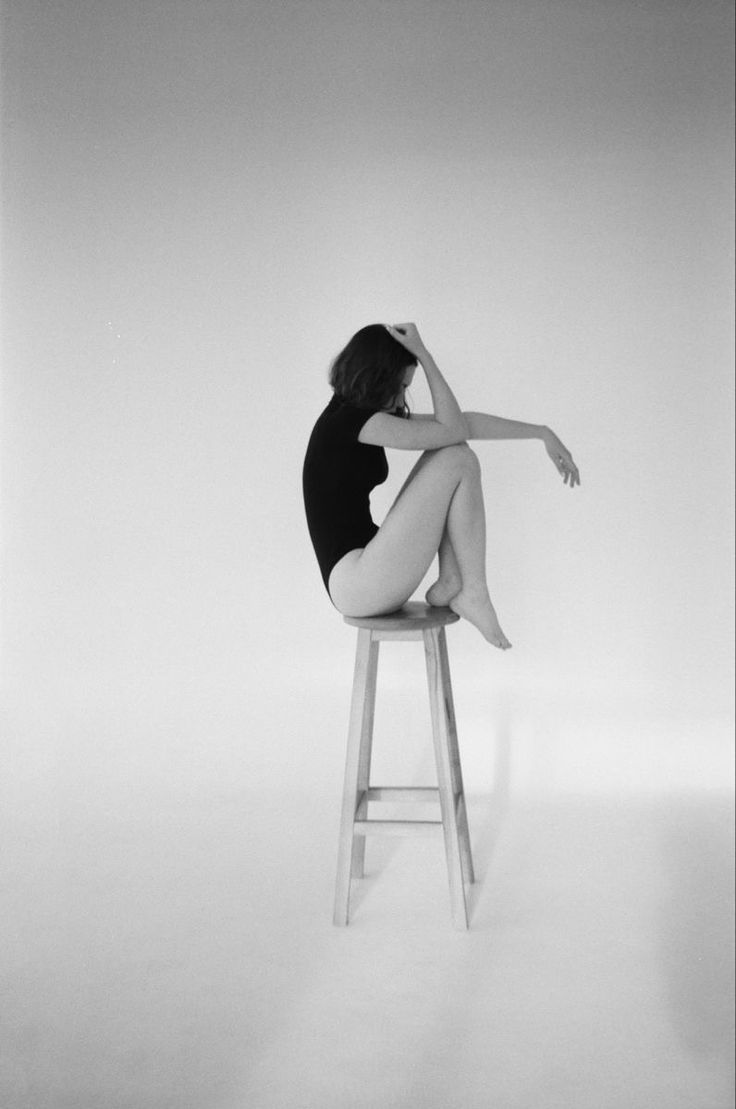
point(342, 420)
point(343, 409)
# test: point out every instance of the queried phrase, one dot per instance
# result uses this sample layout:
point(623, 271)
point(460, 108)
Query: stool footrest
point(397, 827)
point(422, 794)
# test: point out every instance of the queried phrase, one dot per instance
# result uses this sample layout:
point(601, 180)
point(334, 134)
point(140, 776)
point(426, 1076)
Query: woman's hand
point(408, 336)
point(561, 457)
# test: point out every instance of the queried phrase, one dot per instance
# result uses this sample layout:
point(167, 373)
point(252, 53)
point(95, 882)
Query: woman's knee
point(458, 455)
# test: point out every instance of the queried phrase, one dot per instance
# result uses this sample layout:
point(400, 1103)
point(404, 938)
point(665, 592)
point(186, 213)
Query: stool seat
point(413, 616)
point(414, 621)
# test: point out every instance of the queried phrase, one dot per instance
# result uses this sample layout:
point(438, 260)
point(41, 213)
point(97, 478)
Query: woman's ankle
point(443, 590)
point(475, 591)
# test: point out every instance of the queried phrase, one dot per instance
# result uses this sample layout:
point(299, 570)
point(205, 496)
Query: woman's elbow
point(463, 428)
point(455, 434)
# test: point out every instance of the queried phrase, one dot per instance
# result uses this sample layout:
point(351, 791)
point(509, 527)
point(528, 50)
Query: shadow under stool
point(414, 621)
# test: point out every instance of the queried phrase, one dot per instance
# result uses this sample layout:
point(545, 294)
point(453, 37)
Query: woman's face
point(408, 378)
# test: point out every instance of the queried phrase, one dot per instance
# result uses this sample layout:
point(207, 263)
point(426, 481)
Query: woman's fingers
point(562, 459)
point(408, 335)
point(398, 331)
point(568, 470)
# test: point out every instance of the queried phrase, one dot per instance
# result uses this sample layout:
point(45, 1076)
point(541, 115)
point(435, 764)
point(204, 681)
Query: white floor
point(181, 954)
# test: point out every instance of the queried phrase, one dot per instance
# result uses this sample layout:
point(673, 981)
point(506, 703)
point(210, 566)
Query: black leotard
point(339, 473)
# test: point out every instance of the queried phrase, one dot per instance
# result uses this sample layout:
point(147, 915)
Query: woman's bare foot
point(477, 608)
point(441, 593)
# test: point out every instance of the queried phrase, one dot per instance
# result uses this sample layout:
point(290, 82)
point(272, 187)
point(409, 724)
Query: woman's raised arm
point(446, 409)
point(445, 427)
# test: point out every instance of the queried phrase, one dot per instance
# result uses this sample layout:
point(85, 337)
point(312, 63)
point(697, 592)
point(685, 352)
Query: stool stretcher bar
point(412, 794)
point(397, 827)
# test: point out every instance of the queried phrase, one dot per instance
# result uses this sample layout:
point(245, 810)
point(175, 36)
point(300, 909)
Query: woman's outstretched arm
point(483, 426)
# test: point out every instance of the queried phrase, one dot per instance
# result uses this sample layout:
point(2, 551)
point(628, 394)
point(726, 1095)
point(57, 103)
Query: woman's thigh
point(386, 572)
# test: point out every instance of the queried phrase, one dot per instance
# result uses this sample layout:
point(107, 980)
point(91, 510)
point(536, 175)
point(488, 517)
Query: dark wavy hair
point(369, 371)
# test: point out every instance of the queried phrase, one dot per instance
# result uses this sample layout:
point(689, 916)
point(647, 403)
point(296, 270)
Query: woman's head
point(371, 371)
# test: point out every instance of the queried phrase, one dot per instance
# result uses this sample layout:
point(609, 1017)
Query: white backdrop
point(201, 203)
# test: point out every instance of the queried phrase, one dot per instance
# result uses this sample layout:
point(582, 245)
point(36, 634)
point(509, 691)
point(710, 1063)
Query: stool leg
point(441, 737)
point(357, 767)
point(457, 773)
point(357, 867)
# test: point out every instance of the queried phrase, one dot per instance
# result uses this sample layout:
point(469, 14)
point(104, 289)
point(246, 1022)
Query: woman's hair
point(370, 370)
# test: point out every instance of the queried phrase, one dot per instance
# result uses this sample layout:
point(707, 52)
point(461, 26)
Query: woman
point(369, 570)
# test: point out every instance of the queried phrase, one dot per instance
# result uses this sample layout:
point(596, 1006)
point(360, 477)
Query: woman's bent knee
point(458, 455)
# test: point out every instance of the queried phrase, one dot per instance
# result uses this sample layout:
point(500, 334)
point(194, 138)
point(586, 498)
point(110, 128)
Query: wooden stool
point(414, 621)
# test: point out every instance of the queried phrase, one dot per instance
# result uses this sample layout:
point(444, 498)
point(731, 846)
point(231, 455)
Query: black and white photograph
point(367, 554)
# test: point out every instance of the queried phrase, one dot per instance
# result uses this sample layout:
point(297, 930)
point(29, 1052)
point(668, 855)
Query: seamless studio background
point(202, 201)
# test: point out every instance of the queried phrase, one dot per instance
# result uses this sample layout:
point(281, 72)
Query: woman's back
point(338, 475)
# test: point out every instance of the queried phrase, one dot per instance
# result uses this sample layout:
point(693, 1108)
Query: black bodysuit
point(339, 473)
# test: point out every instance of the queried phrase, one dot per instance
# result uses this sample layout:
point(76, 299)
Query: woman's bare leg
point(444, 490)
point(466, 528)
point(449, 582)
